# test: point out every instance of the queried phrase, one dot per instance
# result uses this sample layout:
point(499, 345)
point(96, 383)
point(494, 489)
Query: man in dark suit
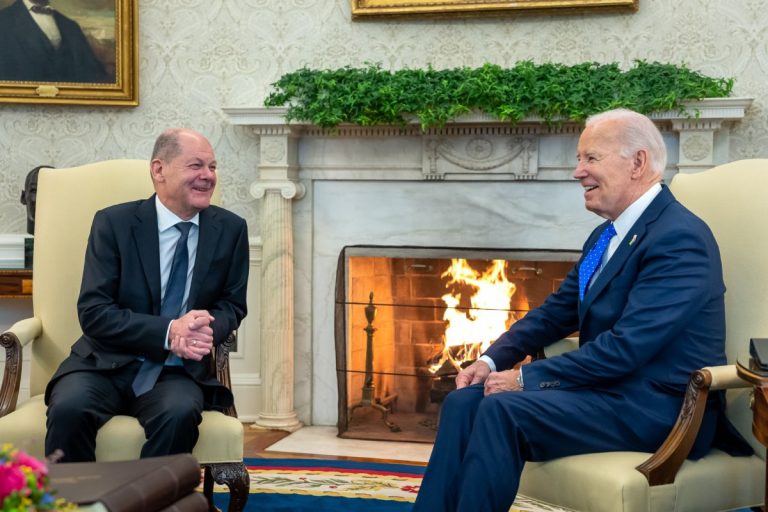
point(39, 44)
point(136, 356)
point(649, 314)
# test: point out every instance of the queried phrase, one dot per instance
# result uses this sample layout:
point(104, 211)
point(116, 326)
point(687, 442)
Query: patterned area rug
point(282, 485)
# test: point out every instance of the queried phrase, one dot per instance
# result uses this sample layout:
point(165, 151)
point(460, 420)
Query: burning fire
point(470, 331)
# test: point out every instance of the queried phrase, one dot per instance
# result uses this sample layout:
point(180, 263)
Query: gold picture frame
point(369, 9)
point(91, 57)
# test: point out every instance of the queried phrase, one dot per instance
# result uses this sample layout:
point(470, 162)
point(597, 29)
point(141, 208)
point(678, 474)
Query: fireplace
point(320, 191)
point(408, 318)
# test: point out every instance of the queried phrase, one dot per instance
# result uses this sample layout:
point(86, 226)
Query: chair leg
point(232, 474)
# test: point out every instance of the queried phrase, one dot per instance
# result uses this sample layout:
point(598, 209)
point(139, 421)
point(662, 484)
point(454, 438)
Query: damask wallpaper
point(200, 55)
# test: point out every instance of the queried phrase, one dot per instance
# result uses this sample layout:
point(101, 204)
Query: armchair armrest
point(13, 340)
point(662, 467)
point(726, 377)
point(561, 347)
point(220, 361)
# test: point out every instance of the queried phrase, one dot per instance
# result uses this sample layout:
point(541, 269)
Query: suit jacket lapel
point(39, 41)
point(632, 240)
point(147, 242)
point(208, 240)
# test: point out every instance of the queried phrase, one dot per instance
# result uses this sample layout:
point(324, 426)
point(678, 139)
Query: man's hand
point(190, 349)
point(475, 373)
point(191, 335)
point(507, 380)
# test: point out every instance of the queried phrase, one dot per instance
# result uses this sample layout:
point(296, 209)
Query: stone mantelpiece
point(474, 183)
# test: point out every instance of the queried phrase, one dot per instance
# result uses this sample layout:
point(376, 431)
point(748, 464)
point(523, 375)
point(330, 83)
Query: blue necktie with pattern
point(593, 259)
point(171, 307)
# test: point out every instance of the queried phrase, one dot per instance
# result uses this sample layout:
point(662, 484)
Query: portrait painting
point(68, 51)
point(370, 9)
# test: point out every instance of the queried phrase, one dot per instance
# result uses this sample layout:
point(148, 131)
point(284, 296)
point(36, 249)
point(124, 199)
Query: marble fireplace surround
point(476, 183)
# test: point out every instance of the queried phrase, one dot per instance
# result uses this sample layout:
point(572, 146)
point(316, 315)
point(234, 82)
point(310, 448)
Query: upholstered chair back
point(733, 200)
point(67, 200)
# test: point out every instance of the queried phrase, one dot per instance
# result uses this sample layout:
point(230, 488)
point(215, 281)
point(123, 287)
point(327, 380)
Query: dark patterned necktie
point(593, 259)
point(42, 8)
point(171, 306)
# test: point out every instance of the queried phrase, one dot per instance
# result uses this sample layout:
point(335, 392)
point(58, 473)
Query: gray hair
point(167, 145)
point(638, 132)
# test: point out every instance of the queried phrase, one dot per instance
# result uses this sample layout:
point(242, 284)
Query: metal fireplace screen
point(408, 317)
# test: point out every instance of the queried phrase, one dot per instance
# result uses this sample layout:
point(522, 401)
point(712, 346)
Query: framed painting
point(365, 9)
point(71, 52)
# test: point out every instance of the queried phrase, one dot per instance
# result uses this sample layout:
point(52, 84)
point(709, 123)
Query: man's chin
point(201, 201)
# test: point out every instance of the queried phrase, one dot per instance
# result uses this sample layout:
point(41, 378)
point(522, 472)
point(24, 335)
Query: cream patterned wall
point(200, 55)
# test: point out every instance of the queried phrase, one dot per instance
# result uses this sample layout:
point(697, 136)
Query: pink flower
point(38, 468)
point(11, 479)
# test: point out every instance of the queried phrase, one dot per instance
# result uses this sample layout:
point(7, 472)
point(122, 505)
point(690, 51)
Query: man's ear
point(639, 163)
point(156, 169)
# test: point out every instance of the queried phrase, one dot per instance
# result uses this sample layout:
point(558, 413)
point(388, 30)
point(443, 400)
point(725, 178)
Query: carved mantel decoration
point(301, 165)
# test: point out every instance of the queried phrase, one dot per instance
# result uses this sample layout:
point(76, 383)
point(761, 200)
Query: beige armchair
point(66, 202)
point(733, 200)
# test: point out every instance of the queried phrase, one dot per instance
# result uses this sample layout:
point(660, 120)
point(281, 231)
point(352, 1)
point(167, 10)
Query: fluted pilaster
point(277, 189)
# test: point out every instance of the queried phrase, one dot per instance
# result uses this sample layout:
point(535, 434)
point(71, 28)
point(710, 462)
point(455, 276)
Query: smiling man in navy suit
point(39, 44)
point(648, 303)
point(164, 282)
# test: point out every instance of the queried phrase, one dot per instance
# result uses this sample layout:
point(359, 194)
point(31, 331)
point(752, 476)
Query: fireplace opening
point(408, 318)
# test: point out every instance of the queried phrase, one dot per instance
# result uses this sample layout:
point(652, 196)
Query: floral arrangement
point(24, 483)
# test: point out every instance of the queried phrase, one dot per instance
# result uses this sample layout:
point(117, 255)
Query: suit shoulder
point(121, 209)
point(686, 216)
point(677, 223)
point(67, 22)
point(226, 215)
point(7, 16)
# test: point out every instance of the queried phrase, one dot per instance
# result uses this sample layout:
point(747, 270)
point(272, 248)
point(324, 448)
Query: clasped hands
point(495, 382)
point(191, 335)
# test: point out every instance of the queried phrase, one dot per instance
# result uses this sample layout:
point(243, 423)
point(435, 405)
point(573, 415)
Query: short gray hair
point(638, 132)
point(167, 145)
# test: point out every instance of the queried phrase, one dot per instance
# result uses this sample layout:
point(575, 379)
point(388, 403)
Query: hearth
point(408, 318)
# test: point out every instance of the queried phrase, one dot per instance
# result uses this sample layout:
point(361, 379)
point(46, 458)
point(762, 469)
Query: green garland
point(554, 92)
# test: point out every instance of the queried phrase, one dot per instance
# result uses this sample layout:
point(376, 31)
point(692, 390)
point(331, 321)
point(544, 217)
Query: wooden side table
point(15, 283)
point(759, 379)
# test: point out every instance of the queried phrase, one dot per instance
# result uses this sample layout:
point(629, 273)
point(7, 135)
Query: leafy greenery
point(555, 92)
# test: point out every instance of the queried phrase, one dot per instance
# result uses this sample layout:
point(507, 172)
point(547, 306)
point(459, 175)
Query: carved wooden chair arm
point(662, 466)
point(13, 340)
point(220, 361)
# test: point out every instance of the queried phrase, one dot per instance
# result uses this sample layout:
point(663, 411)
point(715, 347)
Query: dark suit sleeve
point(104, 316)
point(555, 319)
point(677, 282)
point(229, 308)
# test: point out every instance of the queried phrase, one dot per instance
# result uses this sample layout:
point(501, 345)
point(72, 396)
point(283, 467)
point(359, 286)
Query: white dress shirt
point(169, 236)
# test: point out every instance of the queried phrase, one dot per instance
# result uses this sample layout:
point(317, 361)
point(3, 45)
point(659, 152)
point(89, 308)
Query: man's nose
point(579, 172)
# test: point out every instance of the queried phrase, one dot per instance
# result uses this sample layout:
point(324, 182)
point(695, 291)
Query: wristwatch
point(520, 379)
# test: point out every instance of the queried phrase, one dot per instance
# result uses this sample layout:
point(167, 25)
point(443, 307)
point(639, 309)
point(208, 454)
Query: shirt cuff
point(487, 360)
point(167, 336)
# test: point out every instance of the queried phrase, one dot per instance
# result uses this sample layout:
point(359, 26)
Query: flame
point(470, 331)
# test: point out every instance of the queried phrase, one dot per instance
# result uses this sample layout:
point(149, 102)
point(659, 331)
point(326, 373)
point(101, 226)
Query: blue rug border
point(266, 502)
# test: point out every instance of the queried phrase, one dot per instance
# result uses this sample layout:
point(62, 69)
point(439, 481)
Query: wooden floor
point(256, 441)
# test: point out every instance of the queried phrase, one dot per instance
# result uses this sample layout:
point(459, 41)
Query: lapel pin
point(634, 237)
